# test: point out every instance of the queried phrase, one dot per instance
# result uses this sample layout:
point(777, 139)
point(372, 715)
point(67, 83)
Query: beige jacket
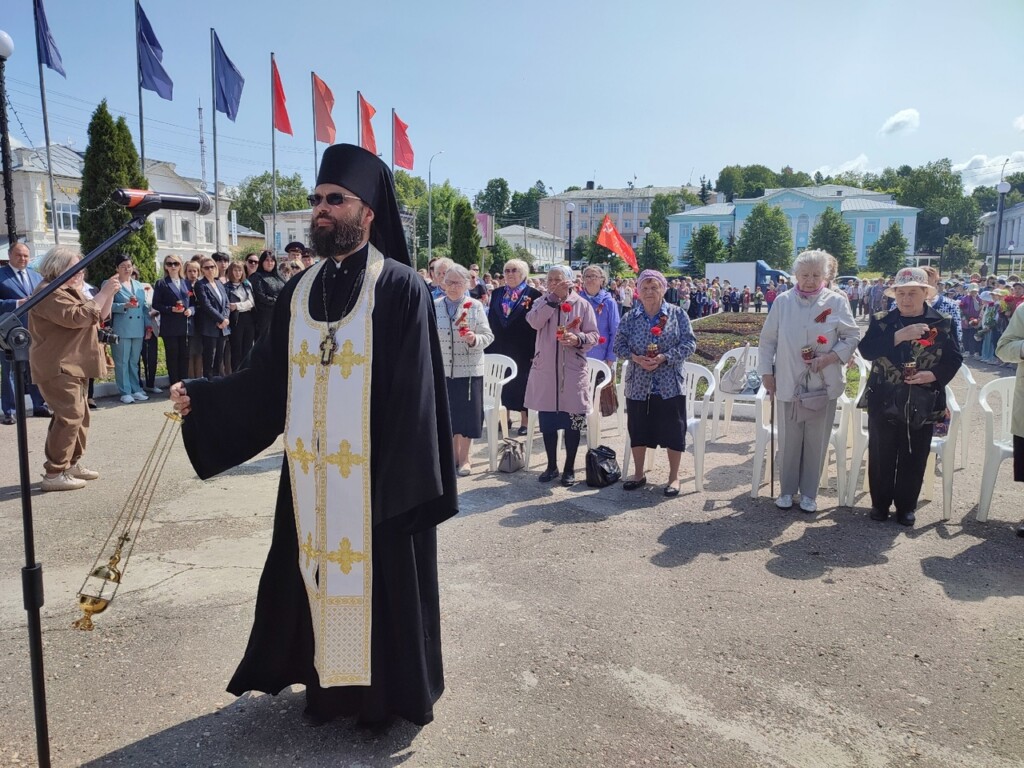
point(64, 339)
point(1011, 349)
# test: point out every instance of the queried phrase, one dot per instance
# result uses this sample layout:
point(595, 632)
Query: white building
point(1010, 245)
point(179, 233)
point(546, 249)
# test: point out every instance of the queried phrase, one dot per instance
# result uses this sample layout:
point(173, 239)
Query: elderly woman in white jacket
point(464, 332)
point(807, 339)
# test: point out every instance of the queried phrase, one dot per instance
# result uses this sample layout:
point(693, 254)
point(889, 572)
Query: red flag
point(323, 103)
point(281, 121)
point(403, 148)
point(366, 113)
point(610, 238)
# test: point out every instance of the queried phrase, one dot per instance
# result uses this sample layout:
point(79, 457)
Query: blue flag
point(228, 87)
point(46, 46)
point(152, 75)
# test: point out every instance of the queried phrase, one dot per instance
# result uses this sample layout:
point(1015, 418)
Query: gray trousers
point(802, 449)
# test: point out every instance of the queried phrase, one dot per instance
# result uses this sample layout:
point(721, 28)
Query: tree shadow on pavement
point(751, 525)
point(562, 512)
point(993, 567)
point(852, 541)
point(265, 731)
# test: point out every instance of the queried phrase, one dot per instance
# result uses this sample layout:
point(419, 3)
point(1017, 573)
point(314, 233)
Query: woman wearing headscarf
point(805, 343)
point(605, 310)
point(912, 346)
point(266, 286)
point(513, 336)
point(559, 383)
point(656, 338)
point(464, 333)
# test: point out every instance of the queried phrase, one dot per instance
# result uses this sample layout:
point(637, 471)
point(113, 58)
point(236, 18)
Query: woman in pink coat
point(558, 387)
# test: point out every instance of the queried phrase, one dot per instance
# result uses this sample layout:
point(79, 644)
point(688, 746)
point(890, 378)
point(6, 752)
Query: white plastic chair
point(838, 446)
point(696, 426)
point(594, 367)
point(762, 438)
point(495, 414)
point(858, 426)
point(998, 437)
point(944, 448)
point(727, 398)
point(620, 415)
point(967, 411)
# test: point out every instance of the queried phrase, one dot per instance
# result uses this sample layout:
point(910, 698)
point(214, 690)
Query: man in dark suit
point(17, 282)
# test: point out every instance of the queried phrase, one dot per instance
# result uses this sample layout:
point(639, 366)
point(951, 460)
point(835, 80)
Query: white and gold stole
point(327, 441)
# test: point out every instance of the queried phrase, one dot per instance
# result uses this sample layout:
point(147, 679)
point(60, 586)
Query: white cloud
point(984, 170)
point(904, 121)
point(1018, 123)
point(858, 164)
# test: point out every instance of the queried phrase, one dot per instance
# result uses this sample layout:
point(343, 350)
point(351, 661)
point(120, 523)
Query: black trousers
point(176, 351)
point(895, 464)
point(147, 362)
point(243, 334)
point(213, 356)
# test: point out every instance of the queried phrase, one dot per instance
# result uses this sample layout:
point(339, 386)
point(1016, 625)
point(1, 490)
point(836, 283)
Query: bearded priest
point(351, 374)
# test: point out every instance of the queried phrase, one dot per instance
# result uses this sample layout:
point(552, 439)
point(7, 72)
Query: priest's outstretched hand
point(180, 398)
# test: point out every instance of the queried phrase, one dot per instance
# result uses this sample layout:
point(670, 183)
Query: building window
point(627, 207)
point(67, 216)
point(583, 209)
point(644, 206)
point(208, 229)
point(686, 230)
point(871, 227)
point(598, 207)
point(627, 224)
point(583, 225)
point(613, 207)
point(186, 231)
point(161, 229)
point(642, 224)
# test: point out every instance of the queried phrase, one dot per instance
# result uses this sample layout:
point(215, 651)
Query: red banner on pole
point(366, 113)
point(323, 103)
point(403, 147)
point(281, 121)
point(610, 238)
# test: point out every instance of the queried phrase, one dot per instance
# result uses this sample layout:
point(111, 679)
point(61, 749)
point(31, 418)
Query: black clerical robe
point(412, 471)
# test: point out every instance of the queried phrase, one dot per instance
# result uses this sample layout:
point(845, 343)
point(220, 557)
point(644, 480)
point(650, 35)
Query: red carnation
point(822, 340)
point(601, 340)
point(566, 307)
point(656, 330)
point(925, 342)
point(467, 305)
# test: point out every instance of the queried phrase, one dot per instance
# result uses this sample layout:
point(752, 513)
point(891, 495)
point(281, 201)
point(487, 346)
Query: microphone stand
point(14, 343)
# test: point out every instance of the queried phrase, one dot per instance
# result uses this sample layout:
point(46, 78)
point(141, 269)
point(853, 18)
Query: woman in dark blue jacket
point(172, 298)
point(212, 322)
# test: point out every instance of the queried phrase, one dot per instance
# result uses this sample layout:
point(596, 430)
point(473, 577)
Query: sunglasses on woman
point(251, 261)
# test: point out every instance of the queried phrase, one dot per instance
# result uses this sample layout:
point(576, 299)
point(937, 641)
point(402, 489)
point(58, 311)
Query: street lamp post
point(6, 50)
point(569, 208)
point(1002, 188)
point(647, 255)
point(430, 207)
point(942, 249)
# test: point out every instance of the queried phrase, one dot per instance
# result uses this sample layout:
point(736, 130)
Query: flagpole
point(392, 141)
point(312, 88)
point(273, 159)
point(49, 163)
point(216, 177)
point(359, 121)
point(138, 78)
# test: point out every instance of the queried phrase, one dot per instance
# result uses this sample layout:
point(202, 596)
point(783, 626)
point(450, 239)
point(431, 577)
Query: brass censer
point(105, 576)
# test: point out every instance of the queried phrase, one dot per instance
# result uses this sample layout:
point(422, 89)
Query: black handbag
point(911, 405)
point(602, 467)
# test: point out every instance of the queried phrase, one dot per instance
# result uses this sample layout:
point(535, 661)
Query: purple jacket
point(558, 376)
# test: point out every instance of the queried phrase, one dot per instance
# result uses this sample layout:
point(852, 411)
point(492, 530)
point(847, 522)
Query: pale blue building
point(868, 213)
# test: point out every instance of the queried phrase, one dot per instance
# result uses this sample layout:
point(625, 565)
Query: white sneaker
point(127, 399)
point(140, 395)
point(153, 390)
point(62, 482)
point(77, 470)
point(785, 501)
point(464, 471)
point(808, 505)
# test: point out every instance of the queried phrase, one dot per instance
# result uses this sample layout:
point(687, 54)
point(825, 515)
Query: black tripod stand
point(15, 342)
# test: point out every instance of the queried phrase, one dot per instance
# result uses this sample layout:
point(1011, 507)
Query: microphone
point(147, 201)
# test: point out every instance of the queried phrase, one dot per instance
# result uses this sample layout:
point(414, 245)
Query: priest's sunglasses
point(331, 198)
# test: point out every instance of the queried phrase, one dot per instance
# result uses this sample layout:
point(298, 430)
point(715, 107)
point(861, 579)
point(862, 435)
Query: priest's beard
point(342, 236)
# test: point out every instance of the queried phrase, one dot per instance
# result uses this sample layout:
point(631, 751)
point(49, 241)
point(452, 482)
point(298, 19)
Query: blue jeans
point(988, 346)
point(126, 355)
point(7, 401)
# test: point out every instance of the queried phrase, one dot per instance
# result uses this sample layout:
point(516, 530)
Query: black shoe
point(632, 485)
point(522, 432)
point(905, 518)
point(569, 479)
point(1020, 530)
point(92, 404)
point(44, 412)
point(671, 490)
point(548, 475)
point(879, 514)
point(7, 419)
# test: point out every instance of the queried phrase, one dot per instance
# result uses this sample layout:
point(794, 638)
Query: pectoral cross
point(328, 347)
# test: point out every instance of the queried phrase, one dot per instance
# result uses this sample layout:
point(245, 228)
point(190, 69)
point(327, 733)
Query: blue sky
point(561, 91)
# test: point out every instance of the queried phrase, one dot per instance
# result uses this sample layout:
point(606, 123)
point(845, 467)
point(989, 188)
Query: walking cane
point(771, 427)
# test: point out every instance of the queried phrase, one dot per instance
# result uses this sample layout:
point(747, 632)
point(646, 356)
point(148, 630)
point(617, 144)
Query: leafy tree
point(730, 246)
point(705, 247)
point(986, 197)
point(653, 253)
point(789, 178)
point(572, 188)
point(765, 235)
point(958, 253)
point(662, 207)
point(758, 178)
point(834, 235)
point(111, 162)
point(494, 198)
point(465, 243)
point(705, 191)
point(411, 190)
point(525, 206)
point(730, 181)
point(501, 252)
point(938, 191)
point(255, 197)
point(818, 178)
point(246, 249)
point(444, 198)
point(889, 253)
point(521, 253)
